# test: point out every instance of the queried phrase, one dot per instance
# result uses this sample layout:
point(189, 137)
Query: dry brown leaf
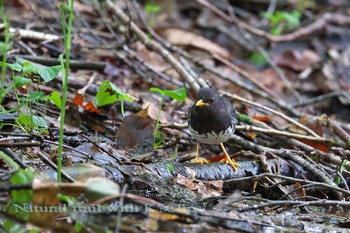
point(143, 113)
point(152, 58)
point(136, 131)
point(182, 37)
point(316, 126)
point(153, 112)
point(204, 189)
point(296, 59)
point(301, 192)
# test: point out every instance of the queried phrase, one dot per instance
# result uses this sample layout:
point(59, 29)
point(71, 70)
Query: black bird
point(212, 121)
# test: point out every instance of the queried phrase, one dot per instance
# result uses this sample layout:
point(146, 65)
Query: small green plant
point(258, 58)
point(108, 93)
point(8, 160)
point(179, 95)
point(170, 167)
point(151, 9)
point(4, 46)
point(282, 20)
point(66, 10)
point(342, 167)
point(28, 119)
point(245, 119)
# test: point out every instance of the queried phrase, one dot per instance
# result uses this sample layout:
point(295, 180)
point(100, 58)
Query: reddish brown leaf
point(91, 108)
point(251, 135)
point(261, 118)
point(216, 158)
point(296, 194)
point(78, 99)
point(315, 125)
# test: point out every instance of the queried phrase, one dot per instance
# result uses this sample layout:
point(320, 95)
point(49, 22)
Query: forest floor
point(127, 154)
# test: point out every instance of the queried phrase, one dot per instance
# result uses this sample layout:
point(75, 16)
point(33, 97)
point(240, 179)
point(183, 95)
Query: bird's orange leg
point(199, 159)
point(227, 159)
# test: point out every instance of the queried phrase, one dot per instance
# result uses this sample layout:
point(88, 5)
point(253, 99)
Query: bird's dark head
point(206, 97)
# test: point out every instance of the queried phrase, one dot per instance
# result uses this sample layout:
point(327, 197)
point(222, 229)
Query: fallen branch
point(29, 34)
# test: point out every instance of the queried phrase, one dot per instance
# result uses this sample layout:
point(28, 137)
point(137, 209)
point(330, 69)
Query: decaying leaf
point(136, 132)
point(316, 126)
point(204, 188)
point(297, 60)
point(187, 38)
point(89, 106)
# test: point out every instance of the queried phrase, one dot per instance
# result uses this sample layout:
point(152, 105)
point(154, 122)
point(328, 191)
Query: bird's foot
point(200, 160)
point(230, 161)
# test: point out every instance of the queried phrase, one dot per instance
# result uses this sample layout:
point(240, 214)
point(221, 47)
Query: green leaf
point(337, 180)
point(12, 226)
point(170, 167)
point(8, 160)
point(25, 120)
point(258, 58)
point(158, 140)
point(56, 99)
point(36, 95)
point(31, 121)
point(29, 68)
point(39, 122)
point(149, 8)
point(21, 198)
point(280, 20)
point(78, 227)
point(156, 89)
point(342, 167)
point(20, 81)
point(22, 195)
point(245, 119)
point(6, 91)
point(67, 199)
point(49, 73)
point(16, 67)
point(108, 93)
point(4, 47)
point(178, 94)
point(292, 18)
point(46, 73)
point(54, 70)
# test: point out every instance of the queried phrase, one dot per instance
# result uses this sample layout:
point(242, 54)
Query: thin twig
point(291, 179)
point(250, 128)
point(315, 26)
point(153, 45)
point(44, 158)
point(236, 97)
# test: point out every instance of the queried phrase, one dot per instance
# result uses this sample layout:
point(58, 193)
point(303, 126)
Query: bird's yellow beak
point(200, 103)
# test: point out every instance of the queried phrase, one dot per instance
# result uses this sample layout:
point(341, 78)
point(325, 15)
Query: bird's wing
point(232, 111)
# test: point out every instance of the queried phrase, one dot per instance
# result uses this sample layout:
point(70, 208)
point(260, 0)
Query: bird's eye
point(210, 101)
